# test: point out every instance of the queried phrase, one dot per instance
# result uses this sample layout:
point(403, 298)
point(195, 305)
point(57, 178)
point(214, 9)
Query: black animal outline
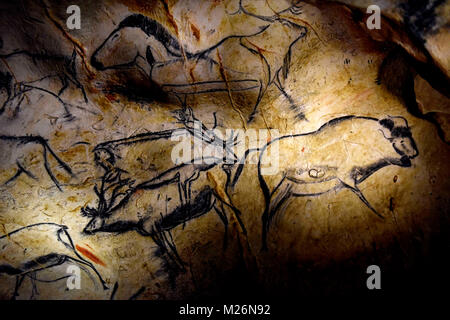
point(16, 91)
point(176, 54)
point(46, 149)
point(31, 267)
point(357, 174)
point(134, 296)
point(159, 230)
point(184, 174)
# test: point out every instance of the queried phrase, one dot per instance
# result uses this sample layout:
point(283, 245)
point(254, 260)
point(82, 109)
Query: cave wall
point(355, 122)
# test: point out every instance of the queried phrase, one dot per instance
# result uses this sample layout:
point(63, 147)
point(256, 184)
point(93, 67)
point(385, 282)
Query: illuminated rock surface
point(87, 118)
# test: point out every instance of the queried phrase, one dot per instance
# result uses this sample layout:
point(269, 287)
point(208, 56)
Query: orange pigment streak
point(85, 252)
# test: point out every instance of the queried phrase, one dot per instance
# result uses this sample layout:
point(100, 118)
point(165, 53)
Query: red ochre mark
point(111, 97)
point(85, 252)
point(139, 192)
point(195, 31)
point(88, 246)
point(303, 149)
point(259, 49)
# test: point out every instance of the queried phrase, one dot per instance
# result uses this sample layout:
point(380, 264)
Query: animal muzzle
point(412, 151)
point(414, 154)
point(88, 230)
point(97, 64)
point(92, 227)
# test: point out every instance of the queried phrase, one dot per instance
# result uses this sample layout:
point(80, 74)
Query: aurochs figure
point(339, 155)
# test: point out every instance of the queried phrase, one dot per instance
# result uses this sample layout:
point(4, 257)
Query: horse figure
point(247, 63)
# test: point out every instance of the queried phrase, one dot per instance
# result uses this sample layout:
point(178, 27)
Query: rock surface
point(354, 123)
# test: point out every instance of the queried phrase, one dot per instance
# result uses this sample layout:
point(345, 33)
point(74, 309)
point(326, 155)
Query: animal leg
point(113, 293)
point(91, 266)
point(171, 244)
point(282, 196)
point(13, 103)
point(156, 237)
point(67, 114)
point(222, 215)
point(265, 219)
point(71, 74)
point(17, 108)
point(49, 171)
point(258, 100)
point(2, 108)
point(19, 280)
point(236, 211)
point(162, 243)
point(34, 290)
point(187, 190)
point(361, 196)
point(189, 185)
point(79, 86)
point(182, 193)
point(20, 170)
point(65, 84)
point(237, 214)
point(299, 112)
point(272, 206)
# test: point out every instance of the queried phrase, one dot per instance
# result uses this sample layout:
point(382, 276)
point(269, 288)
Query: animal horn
point(383, 131)
point(387, 125)
point(400, 117)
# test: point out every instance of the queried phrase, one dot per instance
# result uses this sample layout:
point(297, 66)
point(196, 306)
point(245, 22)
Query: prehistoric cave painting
point(134, 296)
point(237, 63)
point(32, 249)
point(313, 164)
point(24, 152)
point(119, 184)
point(159, 227)
point(15, 85)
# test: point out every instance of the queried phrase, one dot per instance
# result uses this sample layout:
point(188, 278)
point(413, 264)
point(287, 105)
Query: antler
point(198, 130)
point(89, 212)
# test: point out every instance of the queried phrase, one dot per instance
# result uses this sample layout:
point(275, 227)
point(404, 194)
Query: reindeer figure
point(119, 184)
